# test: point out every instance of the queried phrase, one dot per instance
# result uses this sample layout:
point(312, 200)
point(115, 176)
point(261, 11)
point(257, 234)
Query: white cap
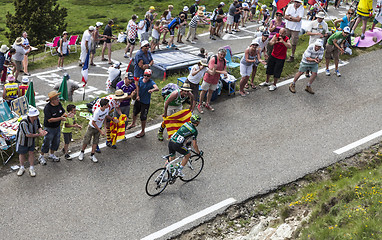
point(116, 64)
point(33, 112)
point(185, 9)
point(346, 30)
point(25, 79)
point(318, 42)
point(320, 15)
point(144, 42)
point(99, 24)
point(255, 41)
point(91, 28)
point(222, 3)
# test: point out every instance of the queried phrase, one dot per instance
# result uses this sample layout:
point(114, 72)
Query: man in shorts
point(178, 21)
point(334, 47)
point(231, 13)
point(96, 37)
point(293, 17)
point(132, 30)
point(310, 60)
point(108, 34)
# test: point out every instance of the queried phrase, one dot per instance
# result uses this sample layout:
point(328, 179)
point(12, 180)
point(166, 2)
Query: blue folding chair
point(228, 57)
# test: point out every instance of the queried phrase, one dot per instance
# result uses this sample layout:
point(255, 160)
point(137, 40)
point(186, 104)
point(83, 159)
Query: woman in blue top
point(345, 21)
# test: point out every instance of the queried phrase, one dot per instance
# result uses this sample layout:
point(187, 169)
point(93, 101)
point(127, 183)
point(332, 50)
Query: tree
point(41, 19)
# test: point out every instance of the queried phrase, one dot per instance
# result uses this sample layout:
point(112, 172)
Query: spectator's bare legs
point(143, 125)
point(293, 50)
point(109, 51)
point(22, 158)
point(312, 78)
point(103, 50)
point(297, 76)
point(275, 81)
point(209, 96)
point(268, 77)
point(355, 24)
point(243, 82)
point(254, 70)
point(201, 97)
point(25, 63)
point(364, 22)
point(132, 124)
point(17, 73)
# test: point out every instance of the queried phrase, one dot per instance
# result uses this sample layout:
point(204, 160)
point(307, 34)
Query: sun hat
point(203, 62)
point(318, 42)
point(152, 8)
point(64, 32)
point(11, 78)
point(119, 94)
point(200, 13)
point(129, 75)
point(116, 64)
point(201, 8)
point(33, 112)
point(98, 24)
point(254, 41)
point(4, 48)
point(148, 71)
point(346, 30)
point(185, 9)
point(91, 28)
point(144, 43)
point(186, 87)
point(19, 41)
point(222, 3)
point(52, 94)
point(320, 15)
point(25, 79)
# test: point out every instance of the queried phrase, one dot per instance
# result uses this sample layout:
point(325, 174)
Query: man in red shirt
point(280, 43)
point(218, 66)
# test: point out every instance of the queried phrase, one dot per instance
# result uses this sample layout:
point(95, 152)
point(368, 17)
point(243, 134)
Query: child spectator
point(23, 87)
point(67, 128)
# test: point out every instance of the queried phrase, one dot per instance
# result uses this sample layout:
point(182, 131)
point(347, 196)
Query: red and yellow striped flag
point(175, 121)
point(117, 130)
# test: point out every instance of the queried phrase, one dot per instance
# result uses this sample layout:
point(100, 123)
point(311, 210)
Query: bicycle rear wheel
point(157, 182)
point(193, 168)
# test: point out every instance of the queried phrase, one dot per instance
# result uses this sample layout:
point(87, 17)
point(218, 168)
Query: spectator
point(220, 21)
point(29, 129)
point(19, 55)
point(203, 53)
point(128, 87)
point(244, 18)
point(169, 10)
point(11, 90)
point(23, 87)
point(95, 39)
point(144, 28)
point(194, 8)
point(252, 12)
point(237, 16)
point(150, 16)
point(218, 65)
point(214, 21)
point(63, 50)
point(8, 63)
point(262, 48)
point(178, 21)
point(72, 86)
point(145, 87)
point(193, 25)
point(94, 129)
point(54, 113)
point(274, 27)
point(230, 18)
point(165, 20)
point(364, 11)
point(334, 47)
point(114, 77)
point(132, 35)
point(183, 25)
point(142, 60)
point(155, 36)
point(3, 51)
point(24, 37)
point(266, 15)
point(108, 34)
point(196, 74)
point(280, 43)
point(311, 15)
point(293, 16)
point(310, 60)
point(345, 21)
point(274, 9)
point(86, 44)
point(67, 128)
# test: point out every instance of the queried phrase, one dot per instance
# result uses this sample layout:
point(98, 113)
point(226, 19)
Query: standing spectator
point(262, 42)
point(108, 34)
point(274, 9)
point(196, 74)
point(3, 51)
point(293, 16)
point(145, 87)
point(155, 36)
point(364, 11)
point(128, 87)
point(252, 12)
point(274, 27)
point(165, 20)
point(26, 45)
point(230, 18)
point(29, 129)
point(63, 50)
point(194, 8)
point(183, 25)
point(334, 47)
point(94, 129)
point(23, 87)
point(142, 60)
point(132, 31)
point(11, 90)
point(178, 21)
point(95, 38)
point(244, 18)
point(144, 28)
point(169, 10)
point(310, 60)
point(220, 21)
point(193, 25)
point(280, 43)
point(214, 22)
point(85, 44)
point(114, 77)
point(266, 15)
point(345, 21)
point(218, 66)
point(67, 128)
point(8, 63)
point(151, 15)
point(237, 16)
point(72, 86)
point(19, 55)
point(54, 113)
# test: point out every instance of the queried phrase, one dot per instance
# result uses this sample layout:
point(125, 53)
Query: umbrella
point(30, 95)
point(64, 88)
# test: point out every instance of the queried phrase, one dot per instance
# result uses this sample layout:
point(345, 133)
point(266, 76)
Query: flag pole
point(83, 95)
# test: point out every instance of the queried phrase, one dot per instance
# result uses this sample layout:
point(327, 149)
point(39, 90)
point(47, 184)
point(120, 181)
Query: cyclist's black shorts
point(176, 147)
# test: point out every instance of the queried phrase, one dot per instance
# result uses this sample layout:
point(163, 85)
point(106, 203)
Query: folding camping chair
point(52, 45)
point(73, 42)
point(228, 57)
point(7, 145)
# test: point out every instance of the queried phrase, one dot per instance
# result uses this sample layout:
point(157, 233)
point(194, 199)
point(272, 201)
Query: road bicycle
point(168, 174)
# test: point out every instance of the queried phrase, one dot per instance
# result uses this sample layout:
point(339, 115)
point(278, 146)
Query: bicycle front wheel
point(193, 168)
point(157, 182)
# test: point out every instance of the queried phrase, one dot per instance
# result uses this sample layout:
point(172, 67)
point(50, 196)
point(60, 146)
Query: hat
point(200, 13)
point(186, 87)
point(91, 28)
point(11, 78)
point(25, 79)
point(254, 41)
point(98, 24)
point(52, 94)
point(116, 64)
point(318, 42)
point(346, 30)
point(299, 1)
point(265, 33)
point(320, 15)
point(152, 8)
point(222, 3)
point(129, 75)
point(4, 48)
point(280, 12)
point(203, 62)
point(65, 32)
point(119, 94)
point(148, 71)
point(33, 112)
point(19, 41)
point(144, 43)
point(185, 9)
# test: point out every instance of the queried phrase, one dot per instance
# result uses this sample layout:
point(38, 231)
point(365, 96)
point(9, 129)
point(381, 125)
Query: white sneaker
point(193, 42)
point(42, 160)
point(58, 68)
point(327, 72)
point(81, 156)
point(263, 84)
point(21, 171)
point(93, 158)
point(338, 73)
point(32, 172)
point(272, 87)
point(54, 158)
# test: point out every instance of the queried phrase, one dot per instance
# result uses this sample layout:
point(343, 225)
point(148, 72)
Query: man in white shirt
point(85, 44)
point(318, 29)
point(293, 17)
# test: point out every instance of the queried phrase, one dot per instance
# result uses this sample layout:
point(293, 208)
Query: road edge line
point(358, 143)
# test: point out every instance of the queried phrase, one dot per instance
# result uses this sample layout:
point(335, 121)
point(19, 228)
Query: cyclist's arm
point(195, 145)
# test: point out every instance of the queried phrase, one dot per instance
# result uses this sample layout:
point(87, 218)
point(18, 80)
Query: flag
point(117, 130)
point(175, 121)
point(85, 68)
point(64, 88)
point(30, 95)
point(281, 3)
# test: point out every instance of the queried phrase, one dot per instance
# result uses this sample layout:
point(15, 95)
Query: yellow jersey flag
point(175, 121)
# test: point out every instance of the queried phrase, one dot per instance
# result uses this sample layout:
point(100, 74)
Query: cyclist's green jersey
point(186, 131)
point(177, 101)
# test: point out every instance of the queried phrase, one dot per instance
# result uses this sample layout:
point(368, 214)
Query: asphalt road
point(251, 145)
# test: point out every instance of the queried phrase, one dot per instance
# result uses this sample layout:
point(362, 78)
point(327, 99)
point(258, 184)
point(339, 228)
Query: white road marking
point(98, 74)
point(53, 71)
point(358, 143)
point(190, 219)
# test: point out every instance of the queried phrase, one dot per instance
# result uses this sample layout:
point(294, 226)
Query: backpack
point(216, 59)
point(193, 9)
point(91, 104)
point(116, 80)
point(168, 89)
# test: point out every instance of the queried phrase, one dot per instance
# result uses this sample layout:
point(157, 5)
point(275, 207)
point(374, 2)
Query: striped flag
point(281, 3)
point(85, 68)
point(175, 121)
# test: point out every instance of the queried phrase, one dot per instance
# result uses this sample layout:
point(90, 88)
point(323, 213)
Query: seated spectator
point(11, 90)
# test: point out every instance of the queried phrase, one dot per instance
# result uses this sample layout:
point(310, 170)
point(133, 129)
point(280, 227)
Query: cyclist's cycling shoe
point(180, 174)
point(160, 136)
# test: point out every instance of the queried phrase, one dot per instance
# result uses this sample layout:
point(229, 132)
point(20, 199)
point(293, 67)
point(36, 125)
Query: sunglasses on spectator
point(147, 75)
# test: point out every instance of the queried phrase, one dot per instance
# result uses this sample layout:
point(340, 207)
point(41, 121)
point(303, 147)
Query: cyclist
point(184, 133)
